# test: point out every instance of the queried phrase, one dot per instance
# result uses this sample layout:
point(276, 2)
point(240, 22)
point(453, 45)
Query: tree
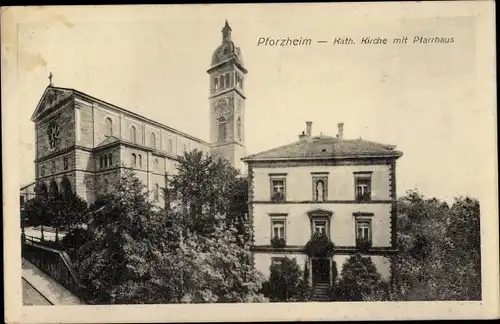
point(33, 211)
point(217, 269)
point(59, 211)
point(124, 244)
point(138, 254)
point(439, 255)
point(359, 279)
point(286, 281)
point(206, 187)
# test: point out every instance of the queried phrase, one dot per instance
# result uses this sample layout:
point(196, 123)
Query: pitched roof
point(108, 140)
point(326, 147)
point(55, 94)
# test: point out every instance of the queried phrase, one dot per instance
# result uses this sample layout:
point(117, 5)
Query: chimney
point(302, 136)
point(341, 130)
point(309, 128)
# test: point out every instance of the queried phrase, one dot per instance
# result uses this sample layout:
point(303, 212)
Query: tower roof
point(227, 50)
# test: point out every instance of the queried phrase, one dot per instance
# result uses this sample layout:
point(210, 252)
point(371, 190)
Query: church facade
point(83, 144)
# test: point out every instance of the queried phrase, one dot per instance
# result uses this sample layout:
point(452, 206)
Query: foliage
point(206, 187)
point(359, 278)
point(440, 249)
point(138, 254)
point(67, 211)
point(218, 269)
point(123, 243)
point(363, 245)
point(285, 282)
point(33, 211)
point(320, 245)
point(278, 242)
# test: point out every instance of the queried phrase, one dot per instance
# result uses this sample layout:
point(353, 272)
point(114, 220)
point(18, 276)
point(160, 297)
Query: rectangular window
point(278, 188)
point(363, 184)
point(320, 227)
point(363, 232)
point(278, 228)
point(276, 260)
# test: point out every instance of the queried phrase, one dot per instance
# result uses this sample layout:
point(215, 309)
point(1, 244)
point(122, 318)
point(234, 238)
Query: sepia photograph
point(269, 155)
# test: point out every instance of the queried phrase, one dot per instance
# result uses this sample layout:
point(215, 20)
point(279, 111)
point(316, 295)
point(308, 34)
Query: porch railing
point(55, 263)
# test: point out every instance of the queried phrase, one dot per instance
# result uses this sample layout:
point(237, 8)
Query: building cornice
point(227, 90)
point(323, 161)
point(314, 202)
point(387, 158)
point(337, 249)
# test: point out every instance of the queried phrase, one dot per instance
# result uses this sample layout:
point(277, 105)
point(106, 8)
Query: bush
point(285, 282)
point(359, 279)
point(320, 245)
point(278, 242)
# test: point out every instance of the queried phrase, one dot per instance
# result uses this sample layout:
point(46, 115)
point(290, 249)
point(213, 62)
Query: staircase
point(321, 292)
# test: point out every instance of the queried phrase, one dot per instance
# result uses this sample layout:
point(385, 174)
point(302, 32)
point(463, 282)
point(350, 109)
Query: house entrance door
point(320, 270)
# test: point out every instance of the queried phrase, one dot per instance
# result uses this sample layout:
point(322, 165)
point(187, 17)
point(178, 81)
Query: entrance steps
point(321, 292)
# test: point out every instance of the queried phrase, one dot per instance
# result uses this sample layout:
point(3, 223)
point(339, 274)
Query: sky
point(423, 98)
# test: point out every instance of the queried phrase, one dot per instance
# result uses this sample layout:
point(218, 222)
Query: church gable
point(49, 100)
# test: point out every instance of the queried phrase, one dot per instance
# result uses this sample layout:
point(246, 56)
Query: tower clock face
point(53, 134)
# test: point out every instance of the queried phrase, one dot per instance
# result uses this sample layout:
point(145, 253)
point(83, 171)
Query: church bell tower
point(227, 101)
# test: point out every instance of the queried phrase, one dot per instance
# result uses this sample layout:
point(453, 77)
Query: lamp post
point(23, 235)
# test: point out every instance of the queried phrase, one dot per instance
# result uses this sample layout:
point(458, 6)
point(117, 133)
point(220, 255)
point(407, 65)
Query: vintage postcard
point(250, 162)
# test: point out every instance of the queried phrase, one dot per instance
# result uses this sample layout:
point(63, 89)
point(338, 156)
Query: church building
point(321, 199)
point(83, 144)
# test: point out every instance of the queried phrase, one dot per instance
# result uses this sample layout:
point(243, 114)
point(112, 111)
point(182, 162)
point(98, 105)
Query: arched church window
point(134, 160)
point(169, 146)
point(110, 159)
point(133, 134)
point(238, 128)
point(156, 192)
point(109, 127)
point(222, 82)
point(105, 158)
point(222, 129)
point(140, 160)
point(42, 191)
point(105, 185)
point(216, 84)
point(227, 80)
point(152, 140)
point(53, 189)
point(65, 187)
point(101, 162)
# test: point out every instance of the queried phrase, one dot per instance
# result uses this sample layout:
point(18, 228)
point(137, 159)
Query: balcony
point(363, 245)
point(278, 242)
point(320, 245)
point(278, 197)
point(363, 197)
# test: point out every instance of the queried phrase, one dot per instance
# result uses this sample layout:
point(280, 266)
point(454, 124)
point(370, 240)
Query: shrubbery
point(359, 279)
point(286, 282)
